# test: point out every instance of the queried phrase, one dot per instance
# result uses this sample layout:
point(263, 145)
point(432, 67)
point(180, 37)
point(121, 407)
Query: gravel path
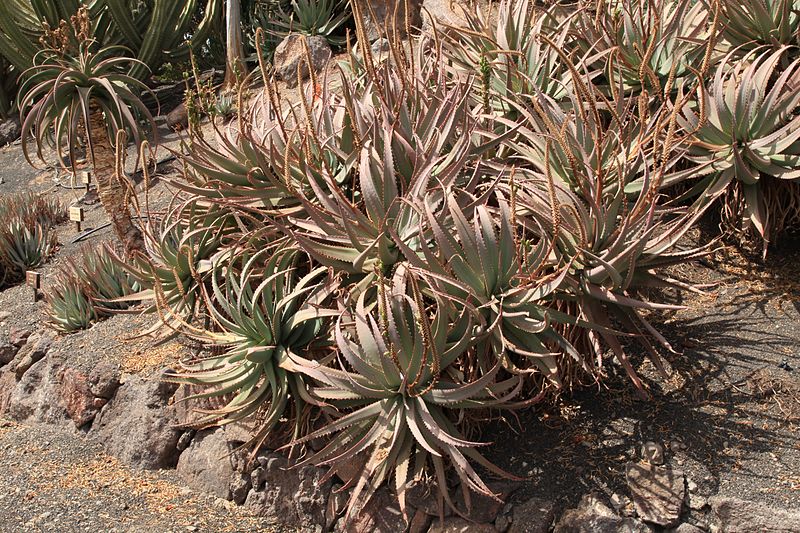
point(56, 481)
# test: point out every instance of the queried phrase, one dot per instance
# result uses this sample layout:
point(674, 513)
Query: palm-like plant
point(87, 94)
point(751, 130)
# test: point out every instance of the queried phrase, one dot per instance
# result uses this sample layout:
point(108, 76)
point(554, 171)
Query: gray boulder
point(657, 492)
point(138, 427)
point(593, 516)
point(293, 497)
point(534, 516)
point(36, 396)
point(211, 464)
point(34, 350)
point(290, 55)
point(739, 516)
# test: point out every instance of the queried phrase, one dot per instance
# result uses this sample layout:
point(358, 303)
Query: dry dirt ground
point(728, 417)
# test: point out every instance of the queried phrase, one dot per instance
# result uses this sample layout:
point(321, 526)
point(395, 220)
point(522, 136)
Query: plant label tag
point(85, 177)
point(33, 279)
point(76, 214)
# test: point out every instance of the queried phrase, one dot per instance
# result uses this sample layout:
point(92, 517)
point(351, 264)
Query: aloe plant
point(750, 24)
point(69, 302)
point(402, 391)
point(512, 55)
point(645, 45)
point(314, 17)
point(25, 246)
point(751, 130)
point(172, 274)
point(265, 313)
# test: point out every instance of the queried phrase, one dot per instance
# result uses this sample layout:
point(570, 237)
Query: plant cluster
point(472, 226)
point(87, 289)
point(26, 233)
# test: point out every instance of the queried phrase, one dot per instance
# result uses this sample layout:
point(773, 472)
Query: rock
point(209, 464)
point(185, 439)
point(36, 397)
point(293, 496)
point(84, 394)
point(653, 453)
point(291, 55)
point(178, 118)
point(36, 347)
point(7, 385)
point(593, 516)
point(4, 315)
point(240, 488)
point(686, 528)
point(423, 497)
point(504, 518)
point(697, 502)
point(657, 493)
point(137, 426)
point(10, 130)
point(459, 525)
point(7, 352)
point(337, 502)
point(19, 336)
point(385, 18)
point(739, 516)
point(443, 13)
point(381, 514)
point(534, 516)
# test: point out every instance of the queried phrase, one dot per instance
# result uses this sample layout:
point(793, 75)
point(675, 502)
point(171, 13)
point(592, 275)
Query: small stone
point(593, 516)
point(10, 130)
point(7, 352)
point(658, 493)
point(618, 501)
point(459, 525)
point(534, 516)
point(4, 315)
point(686, 528)
point(420, 522)
point(504, 519)
point(653, 453)
point(691, 485)
point(19, 336)
point(697, 503)
point(185, 440)
point(178, 118)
